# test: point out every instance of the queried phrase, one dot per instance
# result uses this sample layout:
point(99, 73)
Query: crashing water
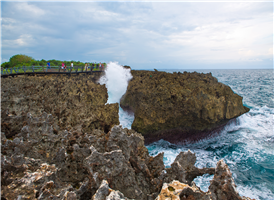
point(247, 146)
point(116, 79)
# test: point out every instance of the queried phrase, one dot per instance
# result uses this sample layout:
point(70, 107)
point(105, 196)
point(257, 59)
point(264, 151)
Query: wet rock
point(179, 107)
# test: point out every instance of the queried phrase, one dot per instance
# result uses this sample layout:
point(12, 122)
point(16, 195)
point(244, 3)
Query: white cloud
point(23, 41)
point(148, 32)
point(31, 9)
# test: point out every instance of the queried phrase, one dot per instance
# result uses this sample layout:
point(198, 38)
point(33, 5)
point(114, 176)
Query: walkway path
point(31, 70)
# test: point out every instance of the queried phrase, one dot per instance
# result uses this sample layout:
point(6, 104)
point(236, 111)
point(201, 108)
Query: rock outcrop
point(72, 101)
point(180, 106)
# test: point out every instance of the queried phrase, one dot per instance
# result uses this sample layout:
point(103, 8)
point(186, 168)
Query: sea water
point(247, 145)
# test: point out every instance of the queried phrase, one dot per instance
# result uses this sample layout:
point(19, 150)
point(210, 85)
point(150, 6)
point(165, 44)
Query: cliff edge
point(179, 106)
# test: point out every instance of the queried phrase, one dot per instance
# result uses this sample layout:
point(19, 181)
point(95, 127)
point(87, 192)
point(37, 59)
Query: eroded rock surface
point(82, 154)
point(222, 187)
point(180, 106)
point(40, 164)
point(72, 101)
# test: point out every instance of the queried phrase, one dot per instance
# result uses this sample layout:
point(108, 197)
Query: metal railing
point(51, 70)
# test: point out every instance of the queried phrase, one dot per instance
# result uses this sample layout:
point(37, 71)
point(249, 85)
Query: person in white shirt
point(71, 66)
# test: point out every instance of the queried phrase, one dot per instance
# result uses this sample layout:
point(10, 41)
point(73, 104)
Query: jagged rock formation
point(222, 187)
point(72, 101)
point(180, 106)
point(40, 164)
point(78, 152)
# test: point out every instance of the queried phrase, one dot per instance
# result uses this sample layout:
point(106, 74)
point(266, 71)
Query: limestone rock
point(180, 106)
point(72, 100)
point(59, 141)
point(222, 187)
point(78, 162)
point(102, 192)
point(183, 168)
point(180, 191)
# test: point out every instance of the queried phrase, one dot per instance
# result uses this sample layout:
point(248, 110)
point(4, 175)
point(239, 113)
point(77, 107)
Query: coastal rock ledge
point(179, 107)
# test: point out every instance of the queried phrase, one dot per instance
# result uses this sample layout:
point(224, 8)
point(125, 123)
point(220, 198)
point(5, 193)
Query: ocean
point(246, 146)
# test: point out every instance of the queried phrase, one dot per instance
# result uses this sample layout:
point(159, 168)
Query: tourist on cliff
point(86, 66)
point(100, 66)
point(63, 65)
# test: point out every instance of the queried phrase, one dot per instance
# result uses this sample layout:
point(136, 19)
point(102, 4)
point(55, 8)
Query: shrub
point(20, 59)
point(5, 65)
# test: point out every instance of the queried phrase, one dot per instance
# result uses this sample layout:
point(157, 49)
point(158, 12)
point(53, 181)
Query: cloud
point(140, 34)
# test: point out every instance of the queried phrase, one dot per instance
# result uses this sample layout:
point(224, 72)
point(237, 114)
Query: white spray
point(116, 79)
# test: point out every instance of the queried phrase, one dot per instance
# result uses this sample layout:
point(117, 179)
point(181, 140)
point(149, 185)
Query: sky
point(142, 34)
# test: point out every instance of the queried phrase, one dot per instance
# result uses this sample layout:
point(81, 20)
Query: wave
point(247, 146)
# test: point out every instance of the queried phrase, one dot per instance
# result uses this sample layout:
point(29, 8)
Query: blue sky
point(143, 35)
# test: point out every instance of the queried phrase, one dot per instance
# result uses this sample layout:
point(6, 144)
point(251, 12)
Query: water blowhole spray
point(116, 79)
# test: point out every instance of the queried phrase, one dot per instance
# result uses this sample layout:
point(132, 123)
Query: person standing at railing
point(100, 66)
point(86, 66)
point(63, 65)
point(48, 65)
point(71, 66)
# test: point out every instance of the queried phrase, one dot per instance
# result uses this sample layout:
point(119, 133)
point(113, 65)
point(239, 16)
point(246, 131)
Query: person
point(63, 65)
point(71, 65)
point(86, 66)
point(48, 65)
point(103, 66)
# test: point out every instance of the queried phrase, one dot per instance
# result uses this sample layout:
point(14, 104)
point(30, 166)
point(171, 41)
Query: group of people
point(87, 66)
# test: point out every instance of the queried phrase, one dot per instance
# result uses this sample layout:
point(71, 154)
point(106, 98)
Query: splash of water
point(116, 79)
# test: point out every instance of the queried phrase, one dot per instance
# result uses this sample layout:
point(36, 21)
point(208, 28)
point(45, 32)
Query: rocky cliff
point(72, 101)
point(179, 106)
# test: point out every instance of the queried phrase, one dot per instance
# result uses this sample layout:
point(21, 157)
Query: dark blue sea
point(247, 146)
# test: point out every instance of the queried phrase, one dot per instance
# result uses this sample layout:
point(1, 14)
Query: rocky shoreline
point(60, 140)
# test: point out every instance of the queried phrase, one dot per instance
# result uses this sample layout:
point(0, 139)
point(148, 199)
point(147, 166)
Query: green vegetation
point(20, 60)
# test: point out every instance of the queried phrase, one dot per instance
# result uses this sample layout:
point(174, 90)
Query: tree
point(20, 59)
point(5, 65)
